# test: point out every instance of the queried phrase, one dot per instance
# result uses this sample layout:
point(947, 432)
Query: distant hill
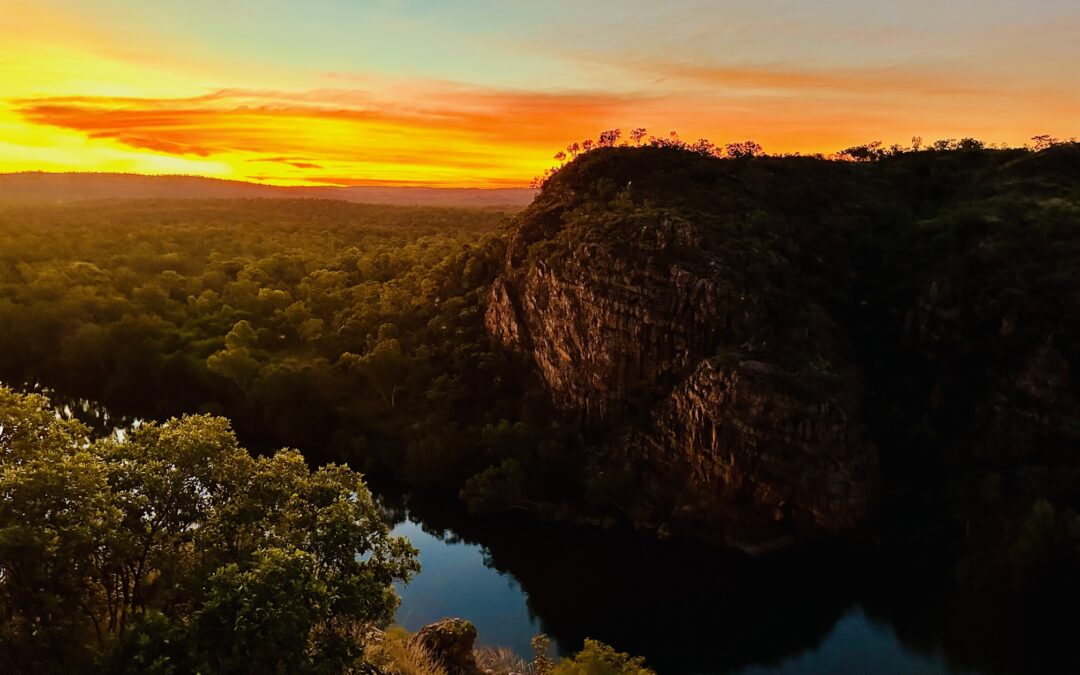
point(37, 186)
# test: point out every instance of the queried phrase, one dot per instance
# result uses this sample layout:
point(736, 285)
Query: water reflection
point(857, 644)
point(693, 610)
point(686, 610)
point(457, 581)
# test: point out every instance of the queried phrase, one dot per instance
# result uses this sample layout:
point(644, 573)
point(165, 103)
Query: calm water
point(685, 611)
point(457, 580)
point(858, 644)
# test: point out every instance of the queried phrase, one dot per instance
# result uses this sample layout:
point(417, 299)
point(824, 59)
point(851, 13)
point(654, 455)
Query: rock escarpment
point(690, 334)
point(732, 334)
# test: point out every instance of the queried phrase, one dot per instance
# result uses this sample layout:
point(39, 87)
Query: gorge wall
point(718, 325)
point(662, 326)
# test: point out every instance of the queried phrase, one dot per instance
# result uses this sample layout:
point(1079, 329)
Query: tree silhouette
point(609, 138)
point(744, 149)
point(863, 153)
point(1044, 141)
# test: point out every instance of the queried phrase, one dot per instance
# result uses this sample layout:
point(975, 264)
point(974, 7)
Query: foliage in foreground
point(596, 658)
point(396, 652)
point(174, 550)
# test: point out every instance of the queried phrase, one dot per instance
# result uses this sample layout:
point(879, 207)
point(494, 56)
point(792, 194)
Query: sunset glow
point(482, 93)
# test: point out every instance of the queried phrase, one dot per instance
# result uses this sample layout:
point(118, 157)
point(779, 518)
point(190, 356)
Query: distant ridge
point(65, 187)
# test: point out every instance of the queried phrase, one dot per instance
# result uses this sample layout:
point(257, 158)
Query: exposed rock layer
point(727, 330)
point(640, 322)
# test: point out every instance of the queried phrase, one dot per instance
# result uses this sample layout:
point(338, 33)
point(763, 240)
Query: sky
point(482, 93)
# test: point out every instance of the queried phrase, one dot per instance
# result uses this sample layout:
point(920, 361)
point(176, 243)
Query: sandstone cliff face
point(742, 433)
point(601, 329)
point(637, 324)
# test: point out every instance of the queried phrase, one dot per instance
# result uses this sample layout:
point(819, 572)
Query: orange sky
point(482, 93)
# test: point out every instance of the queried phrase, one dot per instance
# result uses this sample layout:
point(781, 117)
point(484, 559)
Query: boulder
point(450, 642)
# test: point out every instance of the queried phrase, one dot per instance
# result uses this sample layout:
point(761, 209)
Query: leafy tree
point(175, 550)
point(237, 364)
point(599, 659)
point(609, 138)
point(863, 153)
point(58, 524)
point(744, 149)
point(384, 368)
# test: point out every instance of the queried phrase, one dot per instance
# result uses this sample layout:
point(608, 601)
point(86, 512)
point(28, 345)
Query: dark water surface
point(690, 609)
point(685, 610)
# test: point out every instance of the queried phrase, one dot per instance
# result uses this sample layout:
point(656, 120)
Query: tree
point(242, 335)
point(703, 146)
point(599, 659)
point(176, 550)
point(57, 524)
point(638, 135)
point(743, 149)
point(237, 362)
point(1044, 141)
point(609, 138)
point(384, 367)
point(863, 153)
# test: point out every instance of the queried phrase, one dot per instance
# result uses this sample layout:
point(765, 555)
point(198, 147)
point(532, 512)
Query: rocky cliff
point(721, 385)
point(742, 339)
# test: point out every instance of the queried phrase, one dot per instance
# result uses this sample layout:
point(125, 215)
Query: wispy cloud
point(486, 135)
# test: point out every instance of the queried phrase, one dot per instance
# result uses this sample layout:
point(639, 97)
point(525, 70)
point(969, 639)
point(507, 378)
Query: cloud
point(244, 120)
point(445, 132)
point(782, 79)
point(296, 162)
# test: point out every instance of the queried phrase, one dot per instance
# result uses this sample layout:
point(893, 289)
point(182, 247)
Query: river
point(686, 609)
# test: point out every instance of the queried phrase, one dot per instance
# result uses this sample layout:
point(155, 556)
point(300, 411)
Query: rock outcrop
point(666, 328)
point(731, 335)
point(450, 642)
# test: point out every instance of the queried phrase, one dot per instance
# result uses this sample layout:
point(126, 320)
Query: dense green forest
point(348, 331)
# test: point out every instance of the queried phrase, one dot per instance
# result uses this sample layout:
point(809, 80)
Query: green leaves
point(599, 659)
point(176, 549)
